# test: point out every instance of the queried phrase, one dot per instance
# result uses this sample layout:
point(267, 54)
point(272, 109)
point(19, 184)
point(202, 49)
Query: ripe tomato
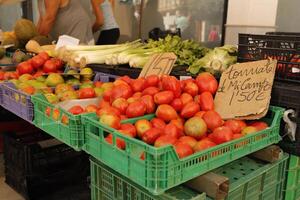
point(234, 125)
point(126, 78)
point(150, 90)
point(103, 104)
point(130, 128)
point(188, 140)
point(203, 144)
point(165, 140)
point(177, 104)
point(119, 142)
point(151, 135)
point(142, 126)
point(121, 104)
point(186, 98)
point(195, 127)
point(37, 62)
point(200, 114)
point(58, 63)
point(138, 85)
point(49, 66)
point(44, 55)
point(110, 120)
point(164, 97)
point(207, 83)
point(76, 110)
point(212, 119)
point(221, 135)
point(166, 112)
point(107, 95)
point(24, 68)
point(172, 84)
point(172, 130)
point(91, 108)
point(183, 150)
point(259, 125)
point(152, 80)
point(136, 109)
point(158, 123)
point(108, 110)
point(123, 91)
point(189, 109)
point(86, 93)
point(191, 88)
point(149, 102)
point(206, 101)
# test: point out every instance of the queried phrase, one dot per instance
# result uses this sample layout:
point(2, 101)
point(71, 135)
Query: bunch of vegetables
point(184, 113)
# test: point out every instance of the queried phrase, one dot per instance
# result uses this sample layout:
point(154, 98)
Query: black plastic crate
point(36, 165)
point(284, 48)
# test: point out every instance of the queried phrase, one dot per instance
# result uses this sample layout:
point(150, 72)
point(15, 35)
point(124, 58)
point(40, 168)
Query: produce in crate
point(184, 113)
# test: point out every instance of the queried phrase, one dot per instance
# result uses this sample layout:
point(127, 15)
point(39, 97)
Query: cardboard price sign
point(159, 64)
point(245, 90)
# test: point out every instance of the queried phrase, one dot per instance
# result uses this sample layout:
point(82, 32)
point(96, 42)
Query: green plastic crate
point(251, 179)
point(162, 169)
point(292, 189)
point(71, 134)
point(109, 185)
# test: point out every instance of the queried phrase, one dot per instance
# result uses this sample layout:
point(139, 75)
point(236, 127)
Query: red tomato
point(242, 124)
point(221, 135)
point(137, 94)
point(188, 140)
point(172, 84)
point(179, 123)
point(172, 130)
point(121, 82)
point(98, 84)
point(191, 88)
point(136, 109)
point(76, 110)
point(24, 68)
point(86, 93)
point(186, 98)
point(183, 150)
point(158, 123)
point(122, 91)
point(1, 75)
point(142, 126)
point(103, 104)
point(119, 142)
point(44, 55)
point(138, 85)
point(58, 63)
point(151, 135)
point(212, 119)
point(206, 101)
point(197, 99)
point(149, 102)
point(130, 128)
point(207, 83)
point(164, 97)
point(165, 140)
point(177, 104)
point(189, 110)
point(166, 112)
point(126, 78)
point(234, 125)
point(200, 114)
point(151, 91)
point(203, 144)
point(152, 80)
point(259, 125)
point(108, 110)
point(37, 62)
point(110, 120)
point(49, 66)
point(91, 108)
point(121, 104)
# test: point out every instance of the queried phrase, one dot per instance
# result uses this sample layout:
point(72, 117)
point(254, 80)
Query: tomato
point(98, 84)
point(172, 84)
point(200, 114)
point(121, 91)
point(207, 83)
point(164, 97)
point(24, 68)
point(242, 124)
point(44, 55)
point(138, 85)
point(91, 108)
point(58, 63)
point(177, 104)
point(183, 150)
point(106, 95)
point(197, 99)
point(151, 135)
point(126, 78)
point(142, 126)
point(172, 130)
point(191, 88)
point(179, 123)
point(119, 142)
point(149, 102)
point(189, 110)
point(49, 66)
point(195, 127)
point(188, 140)
point(37, 62)
point(221, 135)
point(76, 110)
point(86, 93)
point(165, 140)
point(103, 104)
point(206, 101)
point(152, 80)
point(158, 123)
point(259, 125)
point(136, 109)
point(2, 75)
point(38, 74)
point(130, 128)
point(166, 112)
point(108, 110)
point(212, 119)
point(133, 99)
point(203, 144)
point(137, 94)
point(121, 82)
point(121, 104)
point(110, 120)
point(150, 90)
point(186, 98)
point(234, 125)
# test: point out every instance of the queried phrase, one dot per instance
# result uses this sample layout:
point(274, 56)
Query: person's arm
point(98, 14)
point(47, 21)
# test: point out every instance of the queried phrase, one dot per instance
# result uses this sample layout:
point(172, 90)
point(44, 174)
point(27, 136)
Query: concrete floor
point(6, 192)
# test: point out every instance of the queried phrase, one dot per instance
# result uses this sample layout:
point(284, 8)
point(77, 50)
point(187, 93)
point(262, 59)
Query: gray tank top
point(109, 19)
point(74, 21)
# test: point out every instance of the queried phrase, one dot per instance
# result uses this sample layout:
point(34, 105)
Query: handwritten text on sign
point(159, 64)
point(245, 89)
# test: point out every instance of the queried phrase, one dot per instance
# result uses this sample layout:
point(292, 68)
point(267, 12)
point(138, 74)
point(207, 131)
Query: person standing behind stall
point(105, 22)
point(65, 17)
